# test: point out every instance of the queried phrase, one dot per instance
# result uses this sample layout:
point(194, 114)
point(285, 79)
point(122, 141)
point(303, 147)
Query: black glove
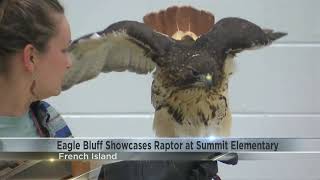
point(205, 170)
point(160, 170)
point(226, 158)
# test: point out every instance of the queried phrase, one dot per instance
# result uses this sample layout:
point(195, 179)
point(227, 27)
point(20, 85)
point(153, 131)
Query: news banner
point(148, 148)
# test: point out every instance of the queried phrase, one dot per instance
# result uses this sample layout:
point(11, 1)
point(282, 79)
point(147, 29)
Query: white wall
point(272, 94)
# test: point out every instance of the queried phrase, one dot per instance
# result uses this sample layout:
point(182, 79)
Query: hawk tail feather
point(178, 22)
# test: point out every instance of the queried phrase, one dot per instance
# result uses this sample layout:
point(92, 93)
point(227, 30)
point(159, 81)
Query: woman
point(34, 37)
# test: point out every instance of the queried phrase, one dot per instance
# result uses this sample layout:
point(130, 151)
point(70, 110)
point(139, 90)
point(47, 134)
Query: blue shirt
point(22, 126)
point(42, 120)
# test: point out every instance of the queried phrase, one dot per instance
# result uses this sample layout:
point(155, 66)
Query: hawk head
point(191, 69)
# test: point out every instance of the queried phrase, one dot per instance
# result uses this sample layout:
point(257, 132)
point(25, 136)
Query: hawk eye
point(195, 72)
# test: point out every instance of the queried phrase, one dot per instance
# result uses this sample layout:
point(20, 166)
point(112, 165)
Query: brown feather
point(185, 20)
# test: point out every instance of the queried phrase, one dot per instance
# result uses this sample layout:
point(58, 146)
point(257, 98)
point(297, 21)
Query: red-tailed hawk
point(190, 87)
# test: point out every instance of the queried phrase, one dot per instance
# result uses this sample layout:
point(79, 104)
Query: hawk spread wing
point(123, 46)
point(129, 46)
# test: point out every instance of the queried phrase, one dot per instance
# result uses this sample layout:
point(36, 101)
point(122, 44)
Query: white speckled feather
point(113, 52)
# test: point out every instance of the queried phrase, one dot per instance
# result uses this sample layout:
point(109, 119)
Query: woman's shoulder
point(50, 120)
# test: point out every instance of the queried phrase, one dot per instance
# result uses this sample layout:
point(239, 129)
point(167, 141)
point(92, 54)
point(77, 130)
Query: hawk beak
point(204, 81)
point(208, 80)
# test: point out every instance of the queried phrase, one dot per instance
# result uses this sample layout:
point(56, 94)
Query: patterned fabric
point(48, 121)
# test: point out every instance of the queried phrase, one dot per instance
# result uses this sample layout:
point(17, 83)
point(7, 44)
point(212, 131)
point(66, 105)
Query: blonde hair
point(25, 22)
